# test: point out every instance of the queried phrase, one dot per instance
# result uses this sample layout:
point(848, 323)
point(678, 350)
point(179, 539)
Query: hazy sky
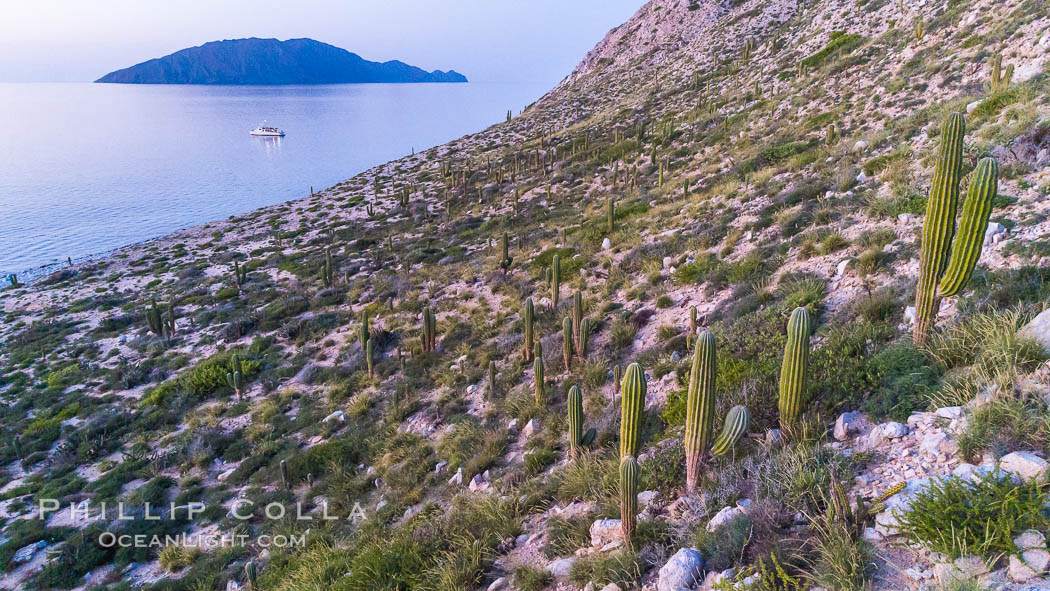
point(487, 40)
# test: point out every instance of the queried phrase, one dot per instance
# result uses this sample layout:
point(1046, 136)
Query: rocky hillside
point(753, 299)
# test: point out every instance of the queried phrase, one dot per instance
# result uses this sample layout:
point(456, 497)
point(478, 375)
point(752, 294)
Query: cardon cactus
point(530, 317)
point(999, 79)
point(567, 346)
point(575, 404)
point(284, 474)
point(947, 260)
point(233, 380)
point(363, 331)
point(699, 407)
point(505, 260)
point(370, 358)
point(633, 405)
point(537, 367)
point(582, 337)
point(429, 336)
point(555, 281)
point(793, 370)
point(628, 497)
point(492, 379)
point(251, 576)
point(610, 215)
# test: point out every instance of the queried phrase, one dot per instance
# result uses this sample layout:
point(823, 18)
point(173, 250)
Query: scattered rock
point(647, 497)
point(562, 567)
point(894, 430)
point(950, 412)
point(1025, 465)
point(604, 531)
point(1033, 559)
point(846, 422)
point(457, 478)
point(26, 553)
point(498, 585)
point(606, 244)
point(723, 517)
point(530, 428)
point(681, 571)
point(960, 570)
point(336, 416)
point(1038, 330)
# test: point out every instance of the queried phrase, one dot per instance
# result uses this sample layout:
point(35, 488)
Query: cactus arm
point(737, 420)
point(966, 248)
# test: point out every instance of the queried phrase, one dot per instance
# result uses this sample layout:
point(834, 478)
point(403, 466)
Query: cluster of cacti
point(539, 378)
point(429, 336)
point(749, 48)
point(794, 368)
point(700, 410)
point(235, 377)
point(947, 258)
point(160, 323)
point(505, 260)
point(1000, 79)
point(529, 319)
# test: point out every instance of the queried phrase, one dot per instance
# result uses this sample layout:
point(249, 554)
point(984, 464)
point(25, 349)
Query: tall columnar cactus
point(567, 347)
point(577, 312)
point(370, 358)
point(575, 404)
point(699, 407)
point(920, 32)
point(793, 370)
point(326, 268)
point(505, 260)
point(363, 332)
point(251, 576)
point(233, 380)
point(617, 375)
point(692, 320)
point(582, 338)
point(539, 379)
point(947, 258)
point(284, 474)
point(240, 274)
point(169, 320)
point(555, 281)
point(628, 497)
point(610, 215)
point(831, 134)
point(633, 405)
point(530, 317)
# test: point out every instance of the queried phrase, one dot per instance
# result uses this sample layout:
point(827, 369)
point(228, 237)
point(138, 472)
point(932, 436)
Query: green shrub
point(958, 518)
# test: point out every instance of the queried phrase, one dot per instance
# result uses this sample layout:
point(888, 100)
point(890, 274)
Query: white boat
point(266, 131)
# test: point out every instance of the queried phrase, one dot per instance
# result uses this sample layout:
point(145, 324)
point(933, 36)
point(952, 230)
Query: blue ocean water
point(85, 168)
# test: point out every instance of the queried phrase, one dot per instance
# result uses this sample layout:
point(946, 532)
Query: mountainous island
point(271, 62)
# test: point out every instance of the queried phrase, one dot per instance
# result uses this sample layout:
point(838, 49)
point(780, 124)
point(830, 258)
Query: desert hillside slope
point(701, 248)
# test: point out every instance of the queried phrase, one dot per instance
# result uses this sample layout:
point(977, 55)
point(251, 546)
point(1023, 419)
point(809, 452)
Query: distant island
point(271, 62)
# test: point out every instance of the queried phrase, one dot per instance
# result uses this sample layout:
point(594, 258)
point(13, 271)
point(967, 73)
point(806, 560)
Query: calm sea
point(85, 168)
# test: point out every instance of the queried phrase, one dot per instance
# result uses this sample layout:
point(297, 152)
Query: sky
point(486, 40)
